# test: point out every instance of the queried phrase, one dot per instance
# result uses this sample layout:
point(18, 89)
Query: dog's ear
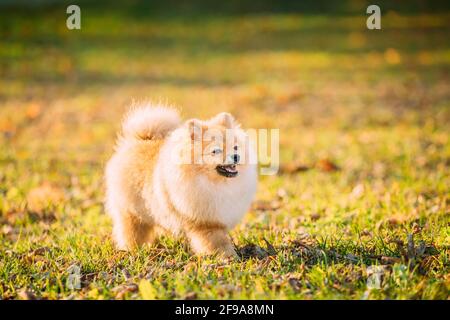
point(224, 119)
point(195, 128)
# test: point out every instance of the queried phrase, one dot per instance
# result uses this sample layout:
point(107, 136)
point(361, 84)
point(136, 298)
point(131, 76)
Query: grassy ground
point(363, 117)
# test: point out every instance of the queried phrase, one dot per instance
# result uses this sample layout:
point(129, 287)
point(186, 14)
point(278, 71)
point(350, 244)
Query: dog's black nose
point(236, 158)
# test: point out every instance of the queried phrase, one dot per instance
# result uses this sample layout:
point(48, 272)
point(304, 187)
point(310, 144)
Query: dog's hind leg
point(131, 231)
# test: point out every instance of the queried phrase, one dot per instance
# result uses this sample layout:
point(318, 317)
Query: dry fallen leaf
point(263, 205)
point(40, 251)
point(33, 111)
point(392, 222)
point(7, 127)
point(295, 284)
point(416, 228)
point(36, 255)
point(326, 165)
point(227, 289)
point(291, 168)
point(122, 290)
point(26, 294)
point(390, 260)
point(190, 296)
point(190, 267)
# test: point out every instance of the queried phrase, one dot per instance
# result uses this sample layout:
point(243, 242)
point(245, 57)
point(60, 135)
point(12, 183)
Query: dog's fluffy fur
point(148, 189)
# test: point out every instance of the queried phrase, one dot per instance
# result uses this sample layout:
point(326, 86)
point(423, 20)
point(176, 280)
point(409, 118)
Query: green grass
point(374, 103)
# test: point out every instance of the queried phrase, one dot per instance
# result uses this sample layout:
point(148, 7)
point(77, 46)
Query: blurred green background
point(363, 118)
point(309, 61)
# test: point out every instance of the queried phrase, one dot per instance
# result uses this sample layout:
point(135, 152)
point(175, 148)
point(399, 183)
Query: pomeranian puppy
point(196, 178)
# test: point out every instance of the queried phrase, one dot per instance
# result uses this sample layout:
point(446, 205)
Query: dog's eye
point(235, 148)
point(216, 151)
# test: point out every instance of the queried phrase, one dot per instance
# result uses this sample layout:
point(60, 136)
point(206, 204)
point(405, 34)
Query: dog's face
point(220, 149)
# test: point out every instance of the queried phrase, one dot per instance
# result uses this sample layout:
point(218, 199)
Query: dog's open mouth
point(228, 170)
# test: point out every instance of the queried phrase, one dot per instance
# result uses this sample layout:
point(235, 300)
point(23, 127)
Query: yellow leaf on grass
point(147, 291)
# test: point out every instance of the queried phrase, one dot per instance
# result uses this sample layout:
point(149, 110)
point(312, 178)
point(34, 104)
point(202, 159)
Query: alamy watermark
point(73, 281)
point(374, 20)
point(74, 19)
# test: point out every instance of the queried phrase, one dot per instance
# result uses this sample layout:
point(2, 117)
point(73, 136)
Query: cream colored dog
point(193, 178)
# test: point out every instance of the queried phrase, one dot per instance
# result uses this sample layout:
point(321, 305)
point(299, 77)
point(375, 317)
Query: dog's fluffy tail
point(146, 122)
